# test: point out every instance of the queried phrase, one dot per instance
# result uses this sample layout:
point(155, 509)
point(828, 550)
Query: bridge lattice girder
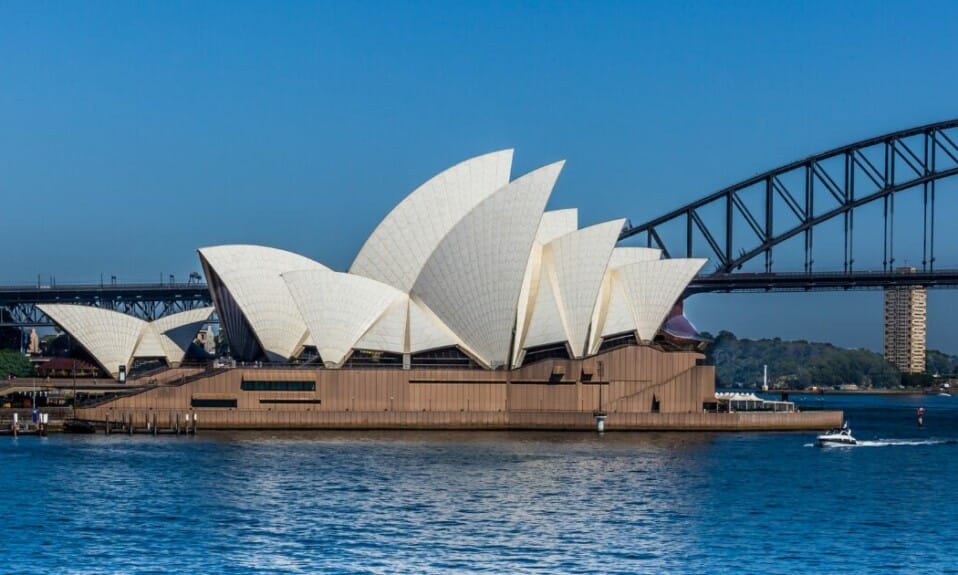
point(18, 305)
point(872, 170)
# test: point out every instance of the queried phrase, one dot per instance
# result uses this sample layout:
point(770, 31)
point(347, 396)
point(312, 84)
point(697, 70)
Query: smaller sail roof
point(653, 287)
point(115, 339)
point(251, 276)
point(109, 336)
point(339, 308)
point(177, 331)
point(577, 266)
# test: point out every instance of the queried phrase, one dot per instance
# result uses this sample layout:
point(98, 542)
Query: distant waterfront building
point(33, 347)
point(905, 316)
point(206, 339)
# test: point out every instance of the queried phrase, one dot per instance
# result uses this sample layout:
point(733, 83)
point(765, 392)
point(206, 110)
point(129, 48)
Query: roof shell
point(397, 250)
point(553, 224)
point(653, 287)
point(576, 267)
point(613, 313)
point(177, 331)
point(473, 278)
point(339, 308)
point(545, 324)
point(109, 336)
point(252, 274)
point(389, 332)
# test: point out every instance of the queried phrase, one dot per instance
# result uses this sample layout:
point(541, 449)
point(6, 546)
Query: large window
point(447, 357)
point(551, 351)
point(212, 402)
point(278, 386)
point(620, 340)
point(367, 358)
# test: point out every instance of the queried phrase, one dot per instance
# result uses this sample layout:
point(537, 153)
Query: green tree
point(796, 364)
point(12, 363)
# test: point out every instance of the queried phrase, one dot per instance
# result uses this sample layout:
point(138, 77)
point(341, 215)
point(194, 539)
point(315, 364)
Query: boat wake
point(892, 443)
point(906, 442)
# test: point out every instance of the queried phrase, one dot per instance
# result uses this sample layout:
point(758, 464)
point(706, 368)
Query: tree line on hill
point(801, 364)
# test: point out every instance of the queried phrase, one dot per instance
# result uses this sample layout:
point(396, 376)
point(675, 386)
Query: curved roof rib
point(338, 308)
point(612, 313)
point(149, 345)
point(556, 223)
point(545, 322)
point(578, 263)
point(653, 287)
point(389, 332)
point(399, 247)
point(619, 316)
point(629, 255)
point(426, 331)
point(473, 278)
point(250, 277)
point(109, 336)
point(553, 224)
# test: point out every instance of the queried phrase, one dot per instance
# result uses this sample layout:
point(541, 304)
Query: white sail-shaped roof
point(252, 276)
point(149, 345)
point(389, 332)
point(612, 314)
point(177, 331)
point(545, 324)
point(619, 317)
point(426, 331)
point(115, 339)
point(577, 266)
point(653, 287)
point(556, 223)
point(553, 224)
point(397, 250)
point(109, 336)
point(338, 308)
point(622, 256)
point(473, 278)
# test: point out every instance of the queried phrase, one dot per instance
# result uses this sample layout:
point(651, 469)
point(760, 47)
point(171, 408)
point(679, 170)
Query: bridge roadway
point(147, 301)
point(153, 300)
point(819, 281)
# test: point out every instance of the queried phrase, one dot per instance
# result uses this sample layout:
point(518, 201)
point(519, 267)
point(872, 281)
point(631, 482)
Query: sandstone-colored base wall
point(626, 383)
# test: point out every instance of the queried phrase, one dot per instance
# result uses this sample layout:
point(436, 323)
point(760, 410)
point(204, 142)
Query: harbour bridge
point(742, 228)
point(749, 231)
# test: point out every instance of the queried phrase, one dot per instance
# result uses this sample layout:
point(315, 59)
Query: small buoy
point(600, 423)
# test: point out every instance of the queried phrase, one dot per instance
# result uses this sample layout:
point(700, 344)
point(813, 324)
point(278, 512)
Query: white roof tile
point(339, 308)
point(473, 278)
point(397, 250)
point(252, 276)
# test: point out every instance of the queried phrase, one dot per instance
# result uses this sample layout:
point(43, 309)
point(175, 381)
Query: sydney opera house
point(469, 305)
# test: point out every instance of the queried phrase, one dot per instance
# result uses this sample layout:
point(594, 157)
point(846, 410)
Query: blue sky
point(133, 133)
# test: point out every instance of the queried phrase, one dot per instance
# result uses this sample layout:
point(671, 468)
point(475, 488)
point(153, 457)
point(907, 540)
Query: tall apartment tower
point(905, 315)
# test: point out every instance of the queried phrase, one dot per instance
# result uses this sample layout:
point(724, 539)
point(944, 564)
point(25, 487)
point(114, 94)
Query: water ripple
point(483, 502)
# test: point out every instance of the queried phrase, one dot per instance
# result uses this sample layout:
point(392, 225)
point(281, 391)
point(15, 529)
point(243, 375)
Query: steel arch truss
point(18, 305)
point(846, 178)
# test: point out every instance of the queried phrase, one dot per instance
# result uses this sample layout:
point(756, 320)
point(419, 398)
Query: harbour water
point(441, 502)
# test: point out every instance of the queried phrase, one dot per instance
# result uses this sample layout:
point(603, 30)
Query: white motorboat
point(841, 436)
